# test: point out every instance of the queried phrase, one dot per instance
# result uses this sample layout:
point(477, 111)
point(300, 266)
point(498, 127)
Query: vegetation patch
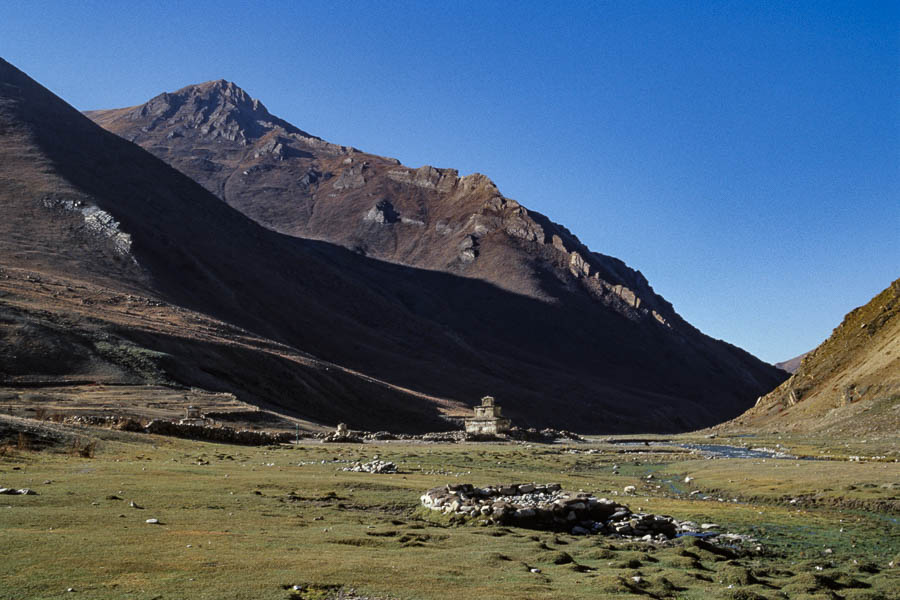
point(330, 531)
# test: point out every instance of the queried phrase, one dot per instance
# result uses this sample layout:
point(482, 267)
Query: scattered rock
point(152, 521)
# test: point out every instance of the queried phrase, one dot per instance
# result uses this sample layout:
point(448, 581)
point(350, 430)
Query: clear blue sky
point(745, 156)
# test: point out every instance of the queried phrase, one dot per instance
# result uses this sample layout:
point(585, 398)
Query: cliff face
point(358, 290)
point(849, 384)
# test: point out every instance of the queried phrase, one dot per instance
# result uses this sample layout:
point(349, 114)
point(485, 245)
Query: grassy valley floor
point(286, 522)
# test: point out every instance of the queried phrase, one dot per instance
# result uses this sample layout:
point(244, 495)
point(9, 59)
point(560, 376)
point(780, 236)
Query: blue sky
point(745, 156)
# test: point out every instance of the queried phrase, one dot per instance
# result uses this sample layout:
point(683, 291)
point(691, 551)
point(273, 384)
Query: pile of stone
point(548, 506)
point(342, 435)
point(342, 438)
point(544, 436)
point(373, 466)
point(374, 436)
point(15, 492)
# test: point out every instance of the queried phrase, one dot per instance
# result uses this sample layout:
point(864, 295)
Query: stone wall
point(548, 506)
point(225, 435)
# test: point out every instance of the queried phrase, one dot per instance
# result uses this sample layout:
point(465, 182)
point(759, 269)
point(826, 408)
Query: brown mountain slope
point(118, 268)
point(429, 218)
point(849, 384)
point(300, 185)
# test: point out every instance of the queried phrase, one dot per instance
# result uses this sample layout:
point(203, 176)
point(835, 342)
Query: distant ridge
point(791, 364)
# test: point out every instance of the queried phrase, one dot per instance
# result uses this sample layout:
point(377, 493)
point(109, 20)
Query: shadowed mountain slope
point(126, 270)
point(300, 185)
point(849, 384)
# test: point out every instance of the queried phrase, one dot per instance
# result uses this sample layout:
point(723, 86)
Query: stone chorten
point(488, 419)
point(192, 416)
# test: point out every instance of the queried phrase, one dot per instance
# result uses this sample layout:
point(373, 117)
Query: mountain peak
point(224, 91)
point(217, 109)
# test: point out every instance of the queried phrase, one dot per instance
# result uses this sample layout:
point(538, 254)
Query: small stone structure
point(488, 419)
point(342, 434)
point(192, 416)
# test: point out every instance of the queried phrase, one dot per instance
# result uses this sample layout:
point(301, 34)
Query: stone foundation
point(548, 506)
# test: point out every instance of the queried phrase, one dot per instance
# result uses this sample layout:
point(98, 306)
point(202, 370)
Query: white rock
point(152, 521)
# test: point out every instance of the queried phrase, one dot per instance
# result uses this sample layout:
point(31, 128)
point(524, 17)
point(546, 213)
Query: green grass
point(255, 521)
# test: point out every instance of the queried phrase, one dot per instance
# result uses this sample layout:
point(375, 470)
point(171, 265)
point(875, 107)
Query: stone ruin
point(549, 507)
point(488, 419)
point(192, 416)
